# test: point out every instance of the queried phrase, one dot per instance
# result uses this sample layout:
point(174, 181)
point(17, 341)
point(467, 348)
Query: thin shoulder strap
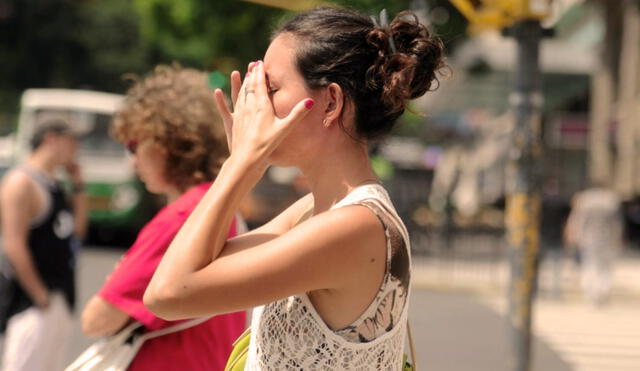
point(412, 350)
point(378, 195)
point(37, 177)
point(395, 219)
point(175, 328)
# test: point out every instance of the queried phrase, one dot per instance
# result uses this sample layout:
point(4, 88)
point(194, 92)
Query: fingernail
point(308, 103)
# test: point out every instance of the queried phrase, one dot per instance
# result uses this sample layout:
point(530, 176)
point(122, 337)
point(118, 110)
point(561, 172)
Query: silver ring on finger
point(247, 92)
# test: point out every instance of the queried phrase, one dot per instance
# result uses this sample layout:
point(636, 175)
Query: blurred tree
point(66, 44)
point(111, 37)
point(209, 34)
point(228, 34)
point(375, 6)
point(604, 86)
point(447, 22)
point(628, 132)
point(37, 43)
point(615, 98)
point(91, 43)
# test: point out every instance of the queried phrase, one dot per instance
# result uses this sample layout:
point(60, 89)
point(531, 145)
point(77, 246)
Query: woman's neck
point(174, 193)
point(336, 173)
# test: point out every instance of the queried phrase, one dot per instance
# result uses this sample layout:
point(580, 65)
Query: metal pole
point(523, 201)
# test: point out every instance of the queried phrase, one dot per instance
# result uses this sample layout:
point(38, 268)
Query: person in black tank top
point(39, 227)
point(50, 246)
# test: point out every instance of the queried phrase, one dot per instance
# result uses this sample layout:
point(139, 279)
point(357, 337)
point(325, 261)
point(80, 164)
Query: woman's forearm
point(202, 237)
point(101, 318)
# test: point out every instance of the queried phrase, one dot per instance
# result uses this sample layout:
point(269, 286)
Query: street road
point(460, 331)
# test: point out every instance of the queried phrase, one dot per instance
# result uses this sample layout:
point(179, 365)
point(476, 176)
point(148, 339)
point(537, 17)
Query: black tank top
point(50, 244)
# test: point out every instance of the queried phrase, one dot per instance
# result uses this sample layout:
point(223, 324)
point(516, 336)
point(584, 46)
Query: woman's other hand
point(221, 102)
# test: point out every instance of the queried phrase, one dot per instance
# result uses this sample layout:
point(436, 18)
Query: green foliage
point(37, 43)
point(92, 43)
point(209, 34)
point(221, 35)
point(114, 47)
point(373, 7)
point(66, 44)
point(383, 168)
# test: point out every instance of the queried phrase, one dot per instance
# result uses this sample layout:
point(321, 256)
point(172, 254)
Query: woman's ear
point(334, 104)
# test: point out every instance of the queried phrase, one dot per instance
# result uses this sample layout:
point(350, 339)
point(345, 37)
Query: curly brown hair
point(174, 106)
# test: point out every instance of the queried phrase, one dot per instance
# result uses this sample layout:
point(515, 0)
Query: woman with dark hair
point(175, 135)
point(330, 275)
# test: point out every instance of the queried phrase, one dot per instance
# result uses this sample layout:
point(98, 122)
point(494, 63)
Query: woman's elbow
point(91, 326)
point(163, 302)
point(88, 329)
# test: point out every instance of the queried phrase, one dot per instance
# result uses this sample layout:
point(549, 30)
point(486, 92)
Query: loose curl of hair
point(342, 46)
point(174, 106)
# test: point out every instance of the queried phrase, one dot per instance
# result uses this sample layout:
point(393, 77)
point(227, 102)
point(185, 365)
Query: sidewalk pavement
point(492, 277)
point(455, 331)
point(459, 311)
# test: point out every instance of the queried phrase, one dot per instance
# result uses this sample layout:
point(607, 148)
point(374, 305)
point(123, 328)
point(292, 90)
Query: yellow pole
point(523, 200)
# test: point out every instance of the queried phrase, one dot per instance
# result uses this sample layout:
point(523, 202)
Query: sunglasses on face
point(132, 146)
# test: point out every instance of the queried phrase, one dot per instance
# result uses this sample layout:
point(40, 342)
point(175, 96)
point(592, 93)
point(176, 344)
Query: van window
point(92, 129)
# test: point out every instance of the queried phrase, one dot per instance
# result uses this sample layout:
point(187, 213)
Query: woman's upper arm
point(329, 251)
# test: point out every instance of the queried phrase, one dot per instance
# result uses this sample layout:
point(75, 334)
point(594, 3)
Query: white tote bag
point(115, 353)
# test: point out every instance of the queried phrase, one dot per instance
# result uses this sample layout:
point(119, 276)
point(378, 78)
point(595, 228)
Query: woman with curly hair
point(330, 275)
point(176, 138)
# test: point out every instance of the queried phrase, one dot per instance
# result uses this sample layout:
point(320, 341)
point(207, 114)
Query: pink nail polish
point(308, 103)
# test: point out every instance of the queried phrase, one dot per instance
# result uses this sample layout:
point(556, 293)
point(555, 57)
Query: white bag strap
point(175, 328)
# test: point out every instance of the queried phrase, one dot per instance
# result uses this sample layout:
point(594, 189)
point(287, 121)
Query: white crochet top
point(289, 334)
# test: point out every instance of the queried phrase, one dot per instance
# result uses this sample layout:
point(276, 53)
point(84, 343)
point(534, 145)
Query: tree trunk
point(603, 94)
point(601, 109)
point(628, 112)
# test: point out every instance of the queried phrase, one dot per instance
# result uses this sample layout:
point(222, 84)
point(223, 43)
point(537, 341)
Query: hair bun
point(411, 70)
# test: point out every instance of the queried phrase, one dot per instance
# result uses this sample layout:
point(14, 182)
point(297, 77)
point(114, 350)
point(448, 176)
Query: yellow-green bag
point(238, 357)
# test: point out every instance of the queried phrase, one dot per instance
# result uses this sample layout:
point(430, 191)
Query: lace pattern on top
point(289, 334)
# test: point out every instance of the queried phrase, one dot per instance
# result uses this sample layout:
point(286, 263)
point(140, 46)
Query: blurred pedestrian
point(555, 211)
point(331, 273)
point(595, 228)
point(176, 138)
point(40, 226)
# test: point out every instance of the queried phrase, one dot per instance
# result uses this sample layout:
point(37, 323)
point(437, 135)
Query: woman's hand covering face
point(253, 130)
